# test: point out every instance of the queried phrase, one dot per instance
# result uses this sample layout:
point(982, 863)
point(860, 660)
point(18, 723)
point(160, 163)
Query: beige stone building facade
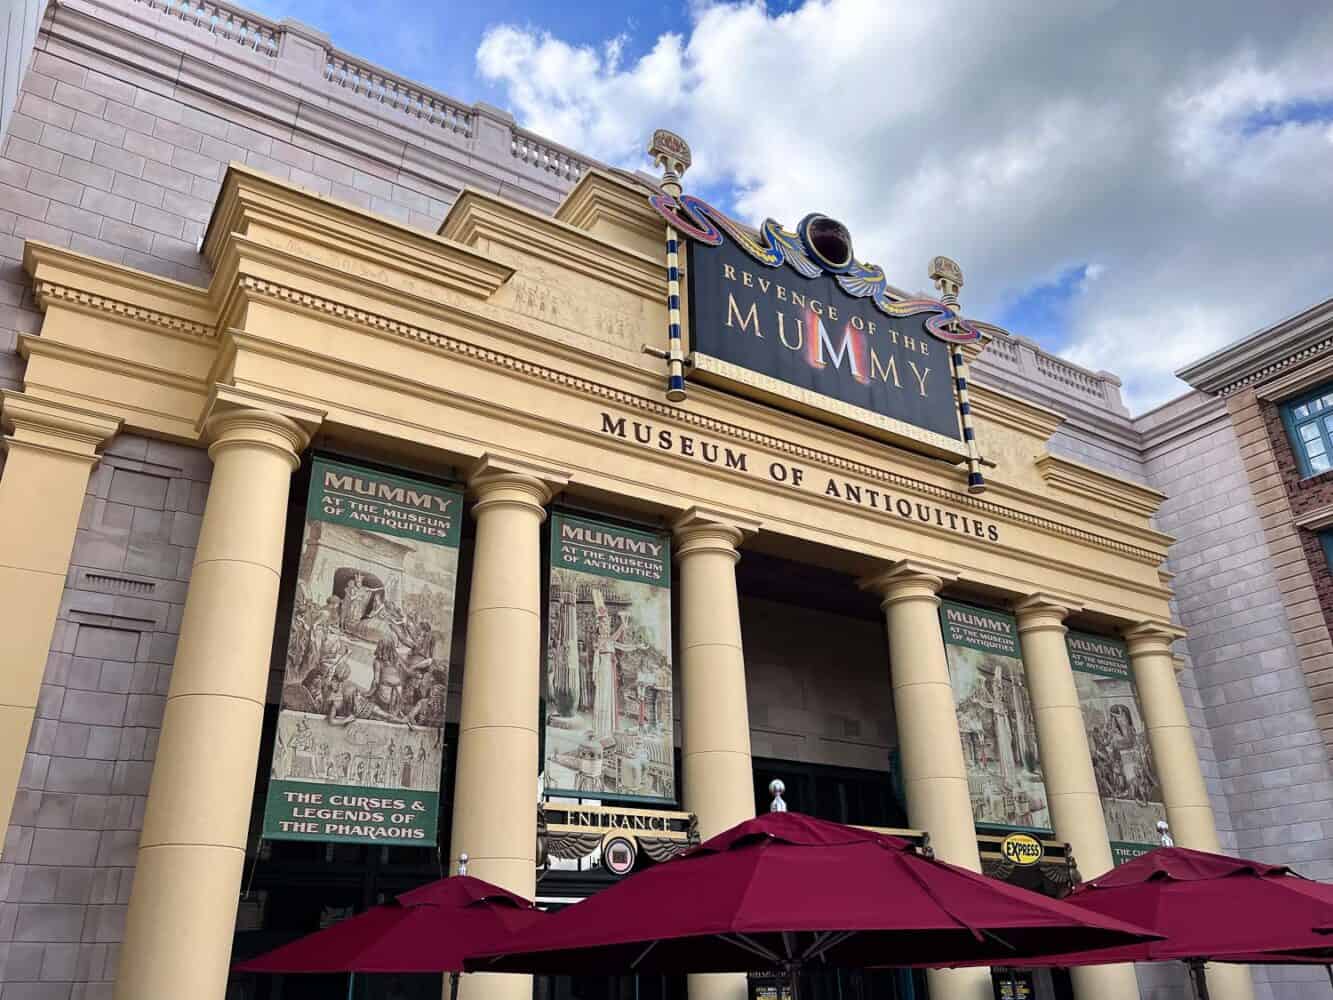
point(230, 247)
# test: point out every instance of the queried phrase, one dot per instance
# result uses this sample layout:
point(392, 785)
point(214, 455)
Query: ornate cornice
point(603, 199)
point(1246, 363)
point(255, 207)
point(47, 292)
point(1083, 481)
point(1014, 412)
point(359, 317)
point(476, 216)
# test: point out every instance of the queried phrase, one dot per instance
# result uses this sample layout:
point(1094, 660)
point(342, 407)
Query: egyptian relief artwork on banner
point(608, 684)
point(995, 718)
point(1118, 740)
point(360, 736)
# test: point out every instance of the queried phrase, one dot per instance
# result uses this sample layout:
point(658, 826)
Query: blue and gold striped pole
point(948, 278)
point(670, 152)
point(675, 353)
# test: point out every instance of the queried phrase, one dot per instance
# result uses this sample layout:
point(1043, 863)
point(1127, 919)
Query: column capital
point(54, 427)
point(497, 480)
point(241, 416)
point(256, 428)
point(1152, 637)
point(1042, 611)
point(909, 579)
point(703, 529)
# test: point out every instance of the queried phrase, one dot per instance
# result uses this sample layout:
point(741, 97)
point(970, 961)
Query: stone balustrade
point(532, 153)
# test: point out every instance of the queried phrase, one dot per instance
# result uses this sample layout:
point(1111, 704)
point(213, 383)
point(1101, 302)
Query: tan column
point(182, 910)
point(1177, 761)
point(1071, 783)
point(51, 450)
point(715, 715)
point(934, 774)
point(495, 790)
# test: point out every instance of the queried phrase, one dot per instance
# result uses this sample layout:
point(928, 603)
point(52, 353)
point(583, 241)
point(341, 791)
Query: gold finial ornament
point(948, 278)
point(671, 153)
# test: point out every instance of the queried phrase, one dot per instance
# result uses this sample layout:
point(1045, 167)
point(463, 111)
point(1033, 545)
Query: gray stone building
point(118, 137)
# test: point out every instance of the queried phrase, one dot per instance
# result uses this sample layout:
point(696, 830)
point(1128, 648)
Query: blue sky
point(1130, 185)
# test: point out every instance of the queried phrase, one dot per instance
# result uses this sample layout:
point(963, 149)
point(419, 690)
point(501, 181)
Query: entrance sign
point(360, 736)
point(995, 718)
point(1118, 741)
point(608, 663)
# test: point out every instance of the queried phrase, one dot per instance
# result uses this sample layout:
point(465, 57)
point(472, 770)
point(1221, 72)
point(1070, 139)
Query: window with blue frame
point(1309, 423)
point(1326, 540)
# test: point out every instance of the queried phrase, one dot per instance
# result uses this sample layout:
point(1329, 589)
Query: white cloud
point(1022, 141)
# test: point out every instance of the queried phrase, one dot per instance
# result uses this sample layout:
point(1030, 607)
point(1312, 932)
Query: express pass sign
point(807, 341)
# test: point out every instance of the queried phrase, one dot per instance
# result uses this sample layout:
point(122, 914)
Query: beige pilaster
point(51, 448)
point(931, 749)
point(1071, 783)
point(182, 910)
point(495, 789)
point(715, 716)
point(1177, 761)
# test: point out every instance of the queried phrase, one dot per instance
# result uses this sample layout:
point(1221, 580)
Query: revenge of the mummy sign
point(360, 736)
point(808, 341)
point(608, 681)
point(995, 719)
point(1118, 742)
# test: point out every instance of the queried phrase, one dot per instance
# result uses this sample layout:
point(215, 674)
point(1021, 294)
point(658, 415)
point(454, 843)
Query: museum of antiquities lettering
point(518, 508)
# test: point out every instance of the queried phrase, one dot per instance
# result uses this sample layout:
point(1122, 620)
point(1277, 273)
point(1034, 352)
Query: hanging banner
point(608, 663)
point(360, 736)
point(1118, 740)
point(995, 718)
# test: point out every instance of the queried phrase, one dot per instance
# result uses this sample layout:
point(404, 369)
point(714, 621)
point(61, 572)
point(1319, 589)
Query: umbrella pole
point(1199, 979)
point(1013, 984)
point(453, 986)
point(1329, 970)
point(351, 986)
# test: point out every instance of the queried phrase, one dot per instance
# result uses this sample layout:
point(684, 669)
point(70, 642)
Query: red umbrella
point(1193, 899)
point(429, 929)
point(1208, 908)
point(784, 890)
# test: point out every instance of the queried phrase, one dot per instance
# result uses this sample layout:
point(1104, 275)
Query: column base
point(960, 984)
point(1229, 982)
point(182, 921)
point(718, 986)
point(491, 986)
point(1105, 982)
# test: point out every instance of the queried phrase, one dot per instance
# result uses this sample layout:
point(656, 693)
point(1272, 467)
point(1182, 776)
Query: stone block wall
point(70, 848)
point(1270, 767)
